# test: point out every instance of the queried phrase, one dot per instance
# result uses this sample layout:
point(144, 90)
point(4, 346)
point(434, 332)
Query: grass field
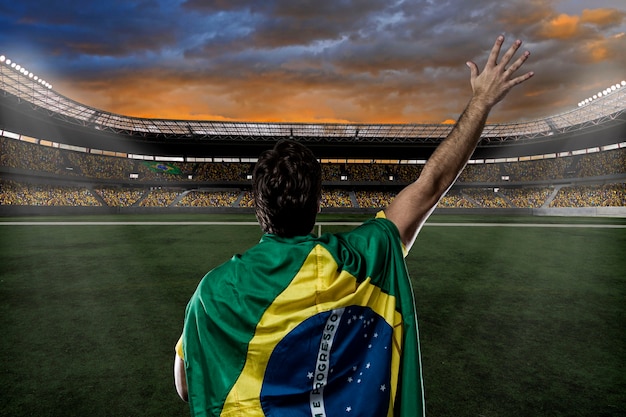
point(514, 321)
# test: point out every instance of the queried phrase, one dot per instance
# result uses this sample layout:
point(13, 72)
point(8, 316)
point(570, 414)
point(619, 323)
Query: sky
point(312, 61)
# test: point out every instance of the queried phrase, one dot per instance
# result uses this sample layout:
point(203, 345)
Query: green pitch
point(515, 321)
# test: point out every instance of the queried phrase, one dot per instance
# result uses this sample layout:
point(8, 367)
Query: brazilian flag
point(162, 167)
point(307, 326)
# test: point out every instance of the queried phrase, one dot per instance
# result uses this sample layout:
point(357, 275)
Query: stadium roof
point(31, 106)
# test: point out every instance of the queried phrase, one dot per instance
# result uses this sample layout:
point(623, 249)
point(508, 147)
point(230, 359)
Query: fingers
point(499, 74)
point(521, 78)
point(473, 69)
point(495, 51)
point(506, 58)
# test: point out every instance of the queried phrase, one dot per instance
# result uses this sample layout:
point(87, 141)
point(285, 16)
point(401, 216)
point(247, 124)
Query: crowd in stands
point(246, 200)
point(454, 199)
point(367, 172)
point(481, 173)
point(120, 196)
point(99, 166)
point(608, 195)
point(33, 157)
point(19, 193)
point(407, 173)
point(527, 197)
point(603, 163)
point(374, 199)
point(222, 171)
point(159, 198)
point(331, 172)
point(209, 199)
point(539, 170)
point(113, 172)
point(487, 198)
point(24, 155)
point(336, 198)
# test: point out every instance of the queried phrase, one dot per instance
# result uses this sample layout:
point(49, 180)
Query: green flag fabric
point(163, 167)
point(311, 326)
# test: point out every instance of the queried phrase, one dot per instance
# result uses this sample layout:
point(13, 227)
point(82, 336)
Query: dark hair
point(287, 188)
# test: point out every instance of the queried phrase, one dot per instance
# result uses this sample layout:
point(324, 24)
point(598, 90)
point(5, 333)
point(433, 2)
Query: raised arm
point(412, 206)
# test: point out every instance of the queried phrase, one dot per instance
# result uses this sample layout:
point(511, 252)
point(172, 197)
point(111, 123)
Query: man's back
point(305, 324)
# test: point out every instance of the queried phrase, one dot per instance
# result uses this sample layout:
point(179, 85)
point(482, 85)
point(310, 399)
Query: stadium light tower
point(611, 89)
point(23, 71)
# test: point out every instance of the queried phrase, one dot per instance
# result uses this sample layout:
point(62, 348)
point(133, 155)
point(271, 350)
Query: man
point(307, 325)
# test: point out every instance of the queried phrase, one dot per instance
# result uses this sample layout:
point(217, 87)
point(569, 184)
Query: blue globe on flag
point(336, 363)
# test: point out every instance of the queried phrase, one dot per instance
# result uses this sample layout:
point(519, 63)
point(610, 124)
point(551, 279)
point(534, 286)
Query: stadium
point(97, 207)
point(55, 150)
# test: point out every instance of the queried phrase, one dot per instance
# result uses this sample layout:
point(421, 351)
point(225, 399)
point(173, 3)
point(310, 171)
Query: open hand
point(497, 78)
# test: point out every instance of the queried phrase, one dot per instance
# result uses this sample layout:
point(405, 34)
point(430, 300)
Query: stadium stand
point(105, 181)
point(607, 195)
point(19, 194)
point(119, 196)
point(209, 199)
point(527, 197)
point(576, 159)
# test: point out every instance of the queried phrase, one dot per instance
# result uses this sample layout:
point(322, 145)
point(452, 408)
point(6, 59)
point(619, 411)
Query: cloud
point(589, 23)
point(355, 61)
point(603, 17)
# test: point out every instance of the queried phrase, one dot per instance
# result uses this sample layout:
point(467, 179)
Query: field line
point(318, 224)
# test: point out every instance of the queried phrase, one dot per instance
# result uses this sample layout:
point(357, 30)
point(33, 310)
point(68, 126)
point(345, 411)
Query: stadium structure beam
point(27, 103)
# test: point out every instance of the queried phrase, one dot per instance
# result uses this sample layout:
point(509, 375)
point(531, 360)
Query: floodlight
point(623, 83)
point(613, 88)
point(12, 64)
point(18, 67)
point(30, 75)
point(8, 61)
point(2, 58)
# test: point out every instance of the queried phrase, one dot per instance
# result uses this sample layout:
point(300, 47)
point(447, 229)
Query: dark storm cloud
point(75, 28)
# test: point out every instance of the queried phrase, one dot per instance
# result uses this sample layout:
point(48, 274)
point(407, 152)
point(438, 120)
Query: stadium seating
point(103, 180)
